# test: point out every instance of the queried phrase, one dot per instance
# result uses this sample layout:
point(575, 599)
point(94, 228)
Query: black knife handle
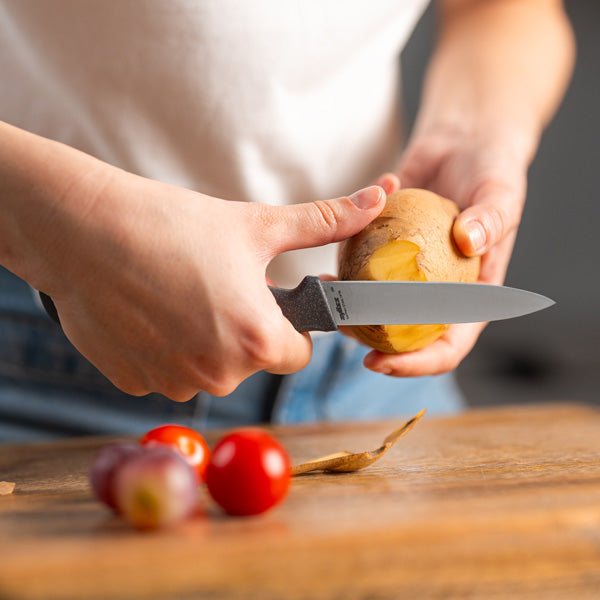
point(306, 305)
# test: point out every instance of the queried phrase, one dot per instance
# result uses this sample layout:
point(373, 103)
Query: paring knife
point(317, 305)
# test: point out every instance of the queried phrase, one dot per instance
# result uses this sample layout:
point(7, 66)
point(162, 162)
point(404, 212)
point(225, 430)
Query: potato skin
point(424, 219)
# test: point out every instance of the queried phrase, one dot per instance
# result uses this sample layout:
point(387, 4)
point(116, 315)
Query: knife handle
point(306, 305)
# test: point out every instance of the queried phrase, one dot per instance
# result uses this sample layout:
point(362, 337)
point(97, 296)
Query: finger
point(298, 352)
point(440, 357)
point(493, 217)
point(318, 223)
point(282, 348)
point(389, 182)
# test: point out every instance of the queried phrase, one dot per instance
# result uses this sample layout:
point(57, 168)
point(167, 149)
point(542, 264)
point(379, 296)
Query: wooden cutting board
point(495, 503)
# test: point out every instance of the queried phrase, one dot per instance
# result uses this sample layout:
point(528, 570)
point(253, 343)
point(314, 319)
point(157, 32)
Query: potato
point(411, 240)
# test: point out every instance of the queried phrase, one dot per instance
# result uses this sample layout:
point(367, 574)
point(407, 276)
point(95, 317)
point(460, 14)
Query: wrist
point(489, 132)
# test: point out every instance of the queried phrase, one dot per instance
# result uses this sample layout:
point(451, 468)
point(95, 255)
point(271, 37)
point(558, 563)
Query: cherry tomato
point(249, 472)
point(187, 441)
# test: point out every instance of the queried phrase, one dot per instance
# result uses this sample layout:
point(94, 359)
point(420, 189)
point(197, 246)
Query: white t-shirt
point(270, 101)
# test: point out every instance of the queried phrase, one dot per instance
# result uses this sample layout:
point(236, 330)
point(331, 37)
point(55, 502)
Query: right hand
point(164, 289)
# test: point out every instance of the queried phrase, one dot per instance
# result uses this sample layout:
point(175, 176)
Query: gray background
point(553, 355)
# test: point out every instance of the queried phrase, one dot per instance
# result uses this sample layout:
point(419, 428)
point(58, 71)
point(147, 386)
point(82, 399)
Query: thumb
point(323, 222)
point(487, 222)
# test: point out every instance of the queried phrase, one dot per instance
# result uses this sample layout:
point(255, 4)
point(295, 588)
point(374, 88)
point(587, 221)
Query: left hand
point(488, 182)
point(495, 79)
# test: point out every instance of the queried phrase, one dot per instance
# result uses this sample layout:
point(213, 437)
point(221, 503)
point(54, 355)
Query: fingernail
point(476, 234)
point(367, 197)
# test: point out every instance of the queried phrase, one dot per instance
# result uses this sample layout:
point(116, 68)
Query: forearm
point(497, 75)
point(43, 185)
point(499, 64)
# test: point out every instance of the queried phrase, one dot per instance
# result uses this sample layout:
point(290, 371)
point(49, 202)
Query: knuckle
point(219, 381)
point(222, 388)
point(497, 221)
point(216, 381)
point(503, 205)
point(132, 388)
point(177, 393)
point(182, 396)
point(325, 214)
point(259, 348)
point(217, 378)
point(176, 379)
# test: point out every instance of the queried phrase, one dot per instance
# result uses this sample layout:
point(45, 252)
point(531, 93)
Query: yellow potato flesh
point(397, 261)
point(405, 338)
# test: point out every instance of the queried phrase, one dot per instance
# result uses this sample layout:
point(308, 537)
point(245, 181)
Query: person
point(160, 163)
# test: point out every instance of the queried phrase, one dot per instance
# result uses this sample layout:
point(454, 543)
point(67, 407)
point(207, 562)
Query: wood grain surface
point(495, 503)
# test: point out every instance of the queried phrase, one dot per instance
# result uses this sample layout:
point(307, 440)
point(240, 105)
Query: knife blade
point(316, 305)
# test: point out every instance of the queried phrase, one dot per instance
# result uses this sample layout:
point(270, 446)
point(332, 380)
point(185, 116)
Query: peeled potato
point(411, 240)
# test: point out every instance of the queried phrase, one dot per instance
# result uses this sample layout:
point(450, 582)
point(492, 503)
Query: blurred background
point(553, 355)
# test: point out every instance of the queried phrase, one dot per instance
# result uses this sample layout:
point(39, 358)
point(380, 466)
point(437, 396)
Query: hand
point(164, 289)
point(488, 182)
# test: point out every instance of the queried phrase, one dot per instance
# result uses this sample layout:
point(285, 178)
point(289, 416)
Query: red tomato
point(187, 441)
point(249, 472)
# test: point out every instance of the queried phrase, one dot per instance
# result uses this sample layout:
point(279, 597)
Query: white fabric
point(270, 101)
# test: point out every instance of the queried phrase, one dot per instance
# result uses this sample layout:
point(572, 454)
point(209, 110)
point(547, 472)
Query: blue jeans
point(48, 390)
